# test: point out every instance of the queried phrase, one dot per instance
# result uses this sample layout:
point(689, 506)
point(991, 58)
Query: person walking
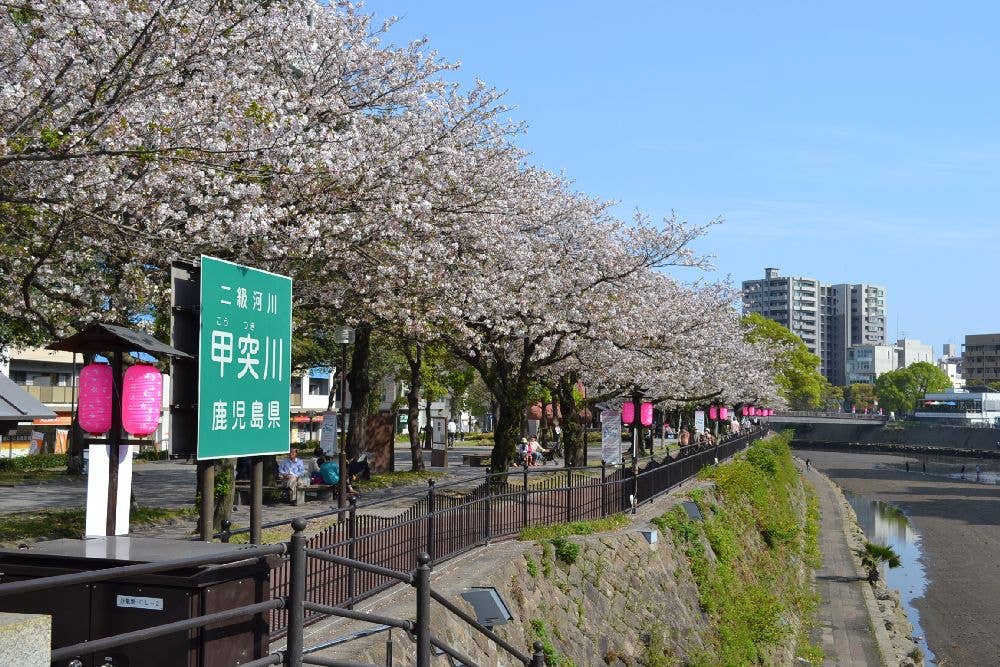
point(452, 430)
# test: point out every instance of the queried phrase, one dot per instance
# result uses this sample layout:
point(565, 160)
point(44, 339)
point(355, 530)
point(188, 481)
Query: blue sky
point(848, 141)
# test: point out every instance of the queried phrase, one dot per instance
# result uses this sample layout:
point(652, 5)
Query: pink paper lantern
point(96, 389)
point(713, 412)
point(646, 414)
point(723, 413)
point(142, 395)
point(628, 412)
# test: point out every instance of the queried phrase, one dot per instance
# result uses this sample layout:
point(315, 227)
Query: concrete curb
point(875, 620)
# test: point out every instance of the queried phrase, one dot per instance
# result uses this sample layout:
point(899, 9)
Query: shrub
point(34, 462)
point(566, 551)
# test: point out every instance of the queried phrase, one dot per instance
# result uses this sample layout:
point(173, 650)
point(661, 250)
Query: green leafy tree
point(993, 385)
point(833, 397)
point(798, 377)
point(900, 390)
point(862, 395)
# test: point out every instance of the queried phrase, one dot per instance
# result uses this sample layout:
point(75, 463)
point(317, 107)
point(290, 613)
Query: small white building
point(961, 408)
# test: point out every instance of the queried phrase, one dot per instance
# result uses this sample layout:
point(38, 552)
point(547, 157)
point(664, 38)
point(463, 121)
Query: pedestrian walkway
point(844, 626)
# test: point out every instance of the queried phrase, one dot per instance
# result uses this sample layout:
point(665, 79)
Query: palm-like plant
point(874, 555)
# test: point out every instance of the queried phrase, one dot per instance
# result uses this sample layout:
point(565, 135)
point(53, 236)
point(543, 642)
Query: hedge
point(34, 462)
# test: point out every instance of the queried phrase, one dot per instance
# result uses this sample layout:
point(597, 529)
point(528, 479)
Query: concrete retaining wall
point(909, 434)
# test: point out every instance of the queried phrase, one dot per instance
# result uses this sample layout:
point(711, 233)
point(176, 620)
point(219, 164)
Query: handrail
point(405, 577)
point(246, 553)
point(114, 641)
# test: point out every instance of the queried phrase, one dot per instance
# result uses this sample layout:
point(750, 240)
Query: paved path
point(844, 626)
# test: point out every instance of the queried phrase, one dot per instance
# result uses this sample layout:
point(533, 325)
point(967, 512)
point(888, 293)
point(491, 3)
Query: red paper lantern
point(628, 412)
point(646, 414)
point(713, 412)
point(142, 395)
point(723, 413)
point(96, 389)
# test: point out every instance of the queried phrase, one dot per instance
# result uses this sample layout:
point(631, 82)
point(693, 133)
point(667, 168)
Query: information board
point(244, 361)
point(611, 436)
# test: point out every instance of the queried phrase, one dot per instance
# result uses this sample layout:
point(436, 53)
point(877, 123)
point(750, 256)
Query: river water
point(886, 524)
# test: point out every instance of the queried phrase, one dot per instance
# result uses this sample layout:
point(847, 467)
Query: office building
point(866, 362)
point(981, 359)
point(830, 319)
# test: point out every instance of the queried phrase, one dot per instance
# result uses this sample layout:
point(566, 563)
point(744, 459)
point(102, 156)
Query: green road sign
point(244, 361)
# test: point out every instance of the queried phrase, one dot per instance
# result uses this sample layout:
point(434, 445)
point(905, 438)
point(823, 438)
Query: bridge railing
point(829, 415)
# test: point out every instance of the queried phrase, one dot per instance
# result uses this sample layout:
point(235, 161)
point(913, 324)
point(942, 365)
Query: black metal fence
point(445, 523)
point(361, 554)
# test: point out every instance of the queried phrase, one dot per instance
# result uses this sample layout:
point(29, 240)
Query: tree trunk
point(428, 430)
point(413, 359)
point(360, 386)
point(574, 450)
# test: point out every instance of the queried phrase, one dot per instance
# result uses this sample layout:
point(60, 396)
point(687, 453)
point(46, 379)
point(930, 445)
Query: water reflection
point(886, 524)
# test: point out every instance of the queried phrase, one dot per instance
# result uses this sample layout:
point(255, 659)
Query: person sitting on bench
point(329, 472)
point(293, 473)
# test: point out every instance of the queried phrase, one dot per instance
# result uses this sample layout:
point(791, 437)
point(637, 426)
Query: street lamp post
point(344, 336)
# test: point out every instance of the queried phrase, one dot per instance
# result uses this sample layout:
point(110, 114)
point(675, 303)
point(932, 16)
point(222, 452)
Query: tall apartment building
point(828, 318)
point(981, 359)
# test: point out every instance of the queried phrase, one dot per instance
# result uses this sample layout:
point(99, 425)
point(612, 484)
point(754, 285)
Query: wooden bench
point(475, 460)
point(316, 491)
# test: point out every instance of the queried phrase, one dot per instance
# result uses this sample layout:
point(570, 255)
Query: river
point(958, 523)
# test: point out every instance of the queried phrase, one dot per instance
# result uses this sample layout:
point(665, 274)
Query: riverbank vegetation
point(751, 557)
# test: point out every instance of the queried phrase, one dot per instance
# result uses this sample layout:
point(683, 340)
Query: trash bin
point(84, 612)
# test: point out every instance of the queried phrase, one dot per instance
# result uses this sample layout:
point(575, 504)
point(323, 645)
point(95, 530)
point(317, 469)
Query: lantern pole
point(636, 401)
point(114, 440)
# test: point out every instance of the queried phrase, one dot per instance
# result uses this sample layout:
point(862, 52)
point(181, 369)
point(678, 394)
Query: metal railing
point(358, 556)
point(448, 520)
point(829, 415)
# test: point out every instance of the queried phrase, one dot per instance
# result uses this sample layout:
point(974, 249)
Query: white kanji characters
point(222, 349)
point(276, 358)
point(257, 414)
point(258, 301)
point(272, 303)
point(220, 416)
point(273, 414)
point(239, 415)
point(241, 297)
point(248, 356)
point(227, 289)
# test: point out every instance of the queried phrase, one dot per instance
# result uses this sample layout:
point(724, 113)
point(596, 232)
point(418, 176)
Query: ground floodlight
point(490, 608)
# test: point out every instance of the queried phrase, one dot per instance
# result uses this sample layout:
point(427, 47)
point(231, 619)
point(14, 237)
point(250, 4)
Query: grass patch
point(16, 477)
point(389, 480)
point(561, 530)
point(58, 523)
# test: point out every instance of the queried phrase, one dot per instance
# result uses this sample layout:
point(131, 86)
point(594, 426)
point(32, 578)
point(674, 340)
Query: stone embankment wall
point(737, 580)
point(898, 435)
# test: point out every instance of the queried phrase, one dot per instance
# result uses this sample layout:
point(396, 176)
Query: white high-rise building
point(830, 319)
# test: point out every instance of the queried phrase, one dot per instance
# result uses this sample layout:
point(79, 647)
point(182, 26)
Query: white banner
point(699, 421)
point(611, 436)
point(328, 433)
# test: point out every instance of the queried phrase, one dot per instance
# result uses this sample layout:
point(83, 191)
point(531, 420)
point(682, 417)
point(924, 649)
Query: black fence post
point(604, 488)
point(569, 494)
point(226, 533)
point(488, 505)
point(524, 498)
point(352, 551)
point(423, 625)
point(296, 593)
point(430, 519)
point(538, 657)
